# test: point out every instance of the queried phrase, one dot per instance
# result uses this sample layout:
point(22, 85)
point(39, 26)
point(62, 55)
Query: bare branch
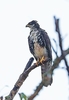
point(55, 51)
point(58, 59)
point(20, 81)
point(29, 63)
point(22, 78)
point(60, 41)
point(37, 90)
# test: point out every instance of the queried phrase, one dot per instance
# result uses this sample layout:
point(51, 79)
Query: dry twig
point(60, 41)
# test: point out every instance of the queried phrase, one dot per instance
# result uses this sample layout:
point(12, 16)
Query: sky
point(14, 50)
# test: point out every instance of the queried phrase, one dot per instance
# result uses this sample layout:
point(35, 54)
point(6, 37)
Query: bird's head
point(33, 24)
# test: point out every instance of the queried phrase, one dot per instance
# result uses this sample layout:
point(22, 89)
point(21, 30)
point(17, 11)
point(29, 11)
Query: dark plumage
point(40, 46)
point(34, 22)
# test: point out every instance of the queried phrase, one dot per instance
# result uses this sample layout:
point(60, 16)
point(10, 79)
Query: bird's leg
point(43, 59)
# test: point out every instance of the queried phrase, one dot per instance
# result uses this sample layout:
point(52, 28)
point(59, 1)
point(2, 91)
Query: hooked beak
point(27, 25)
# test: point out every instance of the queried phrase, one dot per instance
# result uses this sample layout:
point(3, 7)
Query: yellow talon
point(42, 59)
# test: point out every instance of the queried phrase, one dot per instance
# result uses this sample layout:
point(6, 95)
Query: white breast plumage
point(38, 50)
point(33, 36)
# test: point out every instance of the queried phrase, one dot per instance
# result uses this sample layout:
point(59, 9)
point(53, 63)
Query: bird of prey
point(40, 47)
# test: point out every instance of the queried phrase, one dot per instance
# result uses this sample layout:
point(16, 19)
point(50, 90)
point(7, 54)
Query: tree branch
point(20, 81)
point(58, 59)
point(37, 90)
point(60, 41)
point(22, 78)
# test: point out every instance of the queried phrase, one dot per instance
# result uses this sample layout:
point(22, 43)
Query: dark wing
point(31, 45)
point(46, 42)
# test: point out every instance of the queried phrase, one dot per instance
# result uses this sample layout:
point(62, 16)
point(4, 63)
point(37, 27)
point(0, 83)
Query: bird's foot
point(42, 59)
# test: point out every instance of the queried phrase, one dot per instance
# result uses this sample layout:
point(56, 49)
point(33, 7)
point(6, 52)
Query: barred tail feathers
point(46, 73)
